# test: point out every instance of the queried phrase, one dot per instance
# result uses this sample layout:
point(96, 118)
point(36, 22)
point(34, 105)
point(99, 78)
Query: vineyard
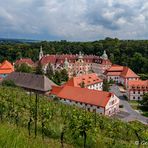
point(44, 119)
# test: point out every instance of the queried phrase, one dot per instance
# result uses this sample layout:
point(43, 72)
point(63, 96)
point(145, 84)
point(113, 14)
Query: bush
point(126, 98)
point(8, 83)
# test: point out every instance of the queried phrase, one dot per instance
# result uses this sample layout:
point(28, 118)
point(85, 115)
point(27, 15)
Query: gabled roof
point(48, 59)
point(128, 73)
point(115, 68)
point(25, 60)
point(123, 71)
point(56, 89)
point(31, 81)
point(140, 83)
point(84, 95)
point(71, 58)
point(6, 67)
point(88, 79)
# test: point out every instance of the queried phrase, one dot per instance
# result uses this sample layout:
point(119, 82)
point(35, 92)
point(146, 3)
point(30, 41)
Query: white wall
point(112, 106)
point(97, 86)
point(136, 95)
point(114, 78)
point(84, 106)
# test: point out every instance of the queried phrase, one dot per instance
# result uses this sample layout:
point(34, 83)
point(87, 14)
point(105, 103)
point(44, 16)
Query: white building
point(90, 81)
point(101, 102)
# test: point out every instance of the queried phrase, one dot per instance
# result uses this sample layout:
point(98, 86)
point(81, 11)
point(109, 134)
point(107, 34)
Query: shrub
point(8, 83)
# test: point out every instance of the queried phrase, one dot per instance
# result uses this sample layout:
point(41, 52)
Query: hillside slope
point(69, 125)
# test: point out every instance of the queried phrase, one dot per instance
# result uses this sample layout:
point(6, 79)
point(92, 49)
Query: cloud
point(74, 19)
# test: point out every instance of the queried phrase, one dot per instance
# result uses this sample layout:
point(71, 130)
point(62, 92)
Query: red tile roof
point(71, 58)
point(128, 73)
point(115, 68)
point(48, 59)
point(84, 95)
point(139, 83)
point(6, 67)
point(56, 89)
point(123, 71)
point(88, 79)
point(25, 60)
point(113, 73)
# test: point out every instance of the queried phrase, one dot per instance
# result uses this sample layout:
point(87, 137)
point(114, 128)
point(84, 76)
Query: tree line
point(131, 53)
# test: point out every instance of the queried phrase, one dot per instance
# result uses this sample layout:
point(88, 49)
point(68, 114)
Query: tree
point(82, 84)
point(144, 101)
point(64, 75)
point(23, 68)
point(105, 85)
point(57, 77)
point(39, 69)
point(49, 72)
point(80, 125)
point(137, 62)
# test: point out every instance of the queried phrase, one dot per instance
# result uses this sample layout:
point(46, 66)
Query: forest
point(50, 122)
point(131, 53)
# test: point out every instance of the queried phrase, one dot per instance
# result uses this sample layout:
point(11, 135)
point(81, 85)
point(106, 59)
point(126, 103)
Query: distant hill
point(5, 40)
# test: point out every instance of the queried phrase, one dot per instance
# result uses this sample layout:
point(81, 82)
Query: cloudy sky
point(74, 20)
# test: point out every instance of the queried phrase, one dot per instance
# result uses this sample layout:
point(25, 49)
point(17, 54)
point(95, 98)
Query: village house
point(102, 102)
point(90, 81)
point(31, 82)
point(136, 89)
point(120, 74)
point(5, 69)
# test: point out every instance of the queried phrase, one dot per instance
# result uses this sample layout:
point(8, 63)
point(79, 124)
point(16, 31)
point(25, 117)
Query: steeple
point(41, 53)
point(66, 63)
point(80, 55)
point(104, 56)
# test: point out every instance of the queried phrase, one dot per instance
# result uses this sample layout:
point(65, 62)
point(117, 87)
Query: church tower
point(41, 53)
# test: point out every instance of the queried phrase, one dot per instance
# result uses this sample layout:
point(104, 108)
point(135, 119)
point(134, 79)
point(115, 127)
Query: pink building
point(101, 102)
point(76, 64)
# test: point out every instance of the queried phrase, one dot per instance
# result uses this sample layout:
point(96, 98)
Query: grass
point(136, 106)
point(14, 137)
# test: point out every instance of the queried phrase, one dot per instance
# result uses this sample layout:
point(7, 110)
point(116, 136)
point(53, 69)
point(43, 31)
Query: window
point(138, 98)
point(112, 102)
point(133, 97)
point(133, 92)
point(139, 92)
point(94, 110)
